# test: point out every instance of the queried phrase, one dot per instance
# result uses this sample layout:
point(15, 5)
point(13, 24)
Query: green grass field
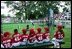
point(20, 26)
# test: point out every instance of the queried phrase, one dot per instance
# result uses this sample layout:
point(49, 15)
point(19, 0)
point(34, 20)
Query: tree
point(33, 7)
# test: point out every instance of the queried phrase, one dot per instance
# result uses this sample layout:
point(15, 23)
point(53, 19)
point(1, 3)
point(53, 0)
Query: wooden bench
point(39, 45)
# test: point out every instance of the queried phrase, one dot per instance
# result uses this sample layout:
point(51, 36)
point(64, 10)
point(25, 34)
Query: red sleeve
point(36, 36)
point(55, 34)
point(43, 35)
point(21, 37)
point(12, 40)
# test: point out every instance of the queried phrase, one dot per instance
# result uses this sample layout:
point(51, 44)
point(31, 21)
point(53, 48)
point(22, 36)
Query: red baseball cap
point(39, 29)
point(46, 28)
point(59, 26)
point(6, 34)
point(24, 30)
point(32, 30)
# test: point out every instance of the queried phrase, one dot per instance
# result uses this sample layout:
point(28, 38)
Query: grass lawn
point(20, 26)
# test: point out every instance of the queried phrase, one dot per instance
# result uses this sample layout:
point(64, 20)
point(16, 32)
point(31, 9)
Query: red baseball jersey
point(46, 35)
point(39, 36)
point(24, 37)
point(16, 38)
point(32, 38)
point(7, 42)
point(59, 34)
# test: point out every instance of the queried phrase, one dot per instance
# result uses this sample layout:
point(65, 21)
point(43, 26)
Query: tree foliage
point(35, 8)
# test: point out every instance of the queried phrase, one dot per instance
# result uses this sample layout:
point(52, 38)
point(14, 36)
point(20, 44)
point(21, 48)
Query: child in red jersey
point(58, 36)
point(1, 40)
point(39, 36)
point(32, 37)
point(24, 37)
point(46, 35)
point(16, 38)
point(7, 42)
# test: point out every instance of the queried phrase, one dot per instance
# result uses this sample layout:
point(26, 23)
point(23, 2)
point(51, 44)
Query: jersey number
point(7, 45)
point(40, 38)
point(17, 39)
